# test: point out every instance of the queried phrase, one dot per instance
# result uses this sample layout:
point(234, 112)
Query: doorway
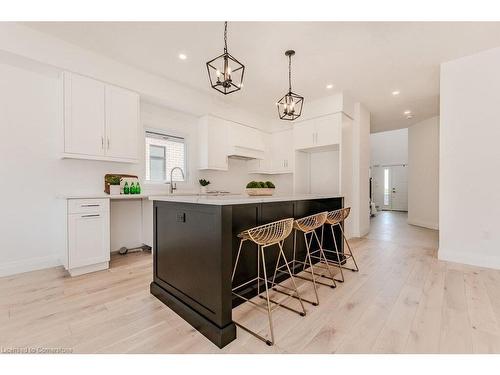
point(390, 187)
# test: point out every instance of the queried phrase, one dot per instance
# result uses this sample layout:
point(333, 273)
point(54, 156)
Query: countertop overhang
point(223, 200)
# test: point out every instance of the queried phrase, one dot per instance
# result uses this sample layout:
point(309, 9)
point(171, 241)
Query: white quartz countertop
point(222, 200)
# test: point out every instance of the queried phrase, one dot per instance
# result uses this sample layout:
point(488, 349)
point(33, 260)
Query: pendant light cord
point(289, 73)
point(225, 37)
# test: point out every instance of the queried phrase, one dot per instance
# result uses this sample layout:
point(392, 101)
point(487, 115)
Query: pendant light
point(290, 105)
point(225, 72)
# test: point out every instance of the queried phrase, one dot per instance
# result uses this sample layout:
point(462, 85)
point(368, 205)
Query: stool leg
point(308, 256)
point(276, 269)
point(338, 255)
point(237, 259)
point(322, 254)
point(350, 251)
point(258, 269)
point(280, 244)
point(269, 314)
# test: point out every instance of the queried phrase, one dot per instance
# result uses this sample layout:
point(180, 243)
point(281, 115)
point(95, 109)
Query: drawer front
point(82, 206)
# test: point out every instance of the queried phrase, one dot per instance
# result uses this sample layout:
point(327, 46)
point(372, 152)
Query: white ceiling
point(367, 59)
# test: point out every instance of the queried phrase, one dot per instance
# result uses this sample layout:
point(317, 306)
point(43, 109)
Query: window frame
point(167, 134)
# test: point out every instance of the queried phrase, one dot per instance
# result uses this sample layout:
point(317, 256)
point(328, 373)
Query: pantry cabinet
point(88, 236)
point(101, 121)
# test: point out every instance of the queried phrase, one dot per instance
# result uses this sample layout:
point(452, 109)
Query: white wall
point(469, 179)
point(389, 147)
point(423, 176)
point(361, 162)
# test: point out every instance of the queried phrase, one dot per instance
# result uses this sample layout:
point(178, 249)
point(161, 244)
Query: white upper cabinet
point(101, 121)
point(122, 123)
point(304, 135)
point(246, 137)
point(328, 130)
point(282, 151)
point(213, 143)
point(319, 132)
point(278, 155)
point(84, 116)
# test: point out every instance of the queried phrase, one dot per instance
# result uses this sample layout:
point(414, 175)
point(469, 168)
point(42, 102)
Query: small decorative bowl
point(260, 191)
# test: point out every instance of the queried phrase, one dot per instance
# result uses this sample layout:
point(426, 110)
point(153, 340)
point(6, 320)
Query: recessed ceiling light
point(407, 112)
point(329, 86)
point(396, 93)
point(182, 56)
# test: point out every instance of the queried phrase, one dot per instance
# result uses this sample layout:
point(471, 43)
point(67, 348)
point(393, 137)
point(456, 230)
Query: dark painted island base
point(194, 254)
point(219, 336)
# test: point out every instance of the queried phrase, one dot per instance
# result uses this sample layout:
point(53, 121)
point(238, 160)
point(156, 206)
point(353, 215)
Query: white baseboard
point(423, 224)
point(469, 258)
point(34, 264)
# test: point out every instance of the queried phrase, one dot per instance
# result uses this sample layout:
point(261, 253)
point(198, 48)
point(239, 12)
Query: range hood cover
point(246, 153)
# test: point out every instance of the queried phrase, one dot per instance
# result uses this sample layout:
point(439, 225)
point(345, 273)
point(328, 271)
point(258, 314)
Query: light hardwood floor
point(403, 301)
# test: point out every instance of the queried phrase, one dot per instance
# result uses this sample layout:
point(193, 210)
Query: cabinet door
point(88, 239)
point(282, 151)
point(213, 139)
point(328, 130)
point(303, 135)
point(122, 123)
point(83, 115)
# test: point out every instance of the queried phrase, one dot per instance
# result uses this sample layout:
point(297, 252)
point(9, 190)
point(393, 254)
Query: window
point(164, 152)
point(386, 187)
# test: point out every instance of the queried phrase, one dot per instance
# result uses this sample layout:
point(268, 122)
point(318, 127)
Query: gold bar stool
point(335, 218)
point(308, 225)
point(265, 236)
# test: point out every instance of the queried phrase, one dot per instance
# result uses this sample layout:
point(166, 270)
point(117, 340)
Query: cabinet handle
point(108, 143)
point(102, 143)
point(93, 215)
point(90, 205)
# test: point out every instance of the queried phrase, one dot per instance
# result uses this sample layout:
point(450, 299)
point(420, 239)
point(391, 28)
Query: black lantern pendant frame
point(224, 80)
point(290, 105)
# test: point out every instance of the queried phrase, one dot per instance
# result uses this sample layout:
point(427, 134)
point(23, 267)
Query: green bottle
point(132, 188)
point(137, 188)
point(126, 189)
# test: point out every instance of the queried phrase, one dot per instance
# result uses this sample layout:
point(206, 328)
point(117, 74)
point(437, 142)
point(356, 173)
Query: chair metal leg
point(308, 256)
point(322, 253)
point(280, 244)
point(267, 298)
point(350, 251)
point(338, 255)
point(237, 259)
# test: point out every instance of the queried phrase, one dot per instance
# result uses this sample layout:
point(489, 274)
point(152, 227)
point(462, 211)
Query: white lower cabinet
point(88, 236)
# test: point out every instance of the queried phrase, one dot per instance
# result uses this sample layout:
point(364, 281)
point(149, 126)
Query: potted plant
point(203, 185)
point(259, 188)
point(114, 184)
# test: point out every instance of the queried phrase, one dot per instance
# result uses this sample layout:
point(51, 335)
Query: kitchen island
point(195, 244)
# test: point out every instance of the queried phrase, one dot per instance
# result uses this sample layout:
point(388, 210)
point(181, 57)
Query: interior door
point(399, 188)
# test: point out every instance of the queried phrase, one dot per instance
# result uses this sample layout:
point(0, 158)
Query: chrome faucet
point(172, 184)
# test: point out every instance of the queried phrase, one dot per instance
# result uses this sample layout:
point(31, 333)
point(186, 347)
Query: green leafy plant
point(113, 180)
point(253, 185)
point(270, 185)
point(204, 182)
point(260, 185)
